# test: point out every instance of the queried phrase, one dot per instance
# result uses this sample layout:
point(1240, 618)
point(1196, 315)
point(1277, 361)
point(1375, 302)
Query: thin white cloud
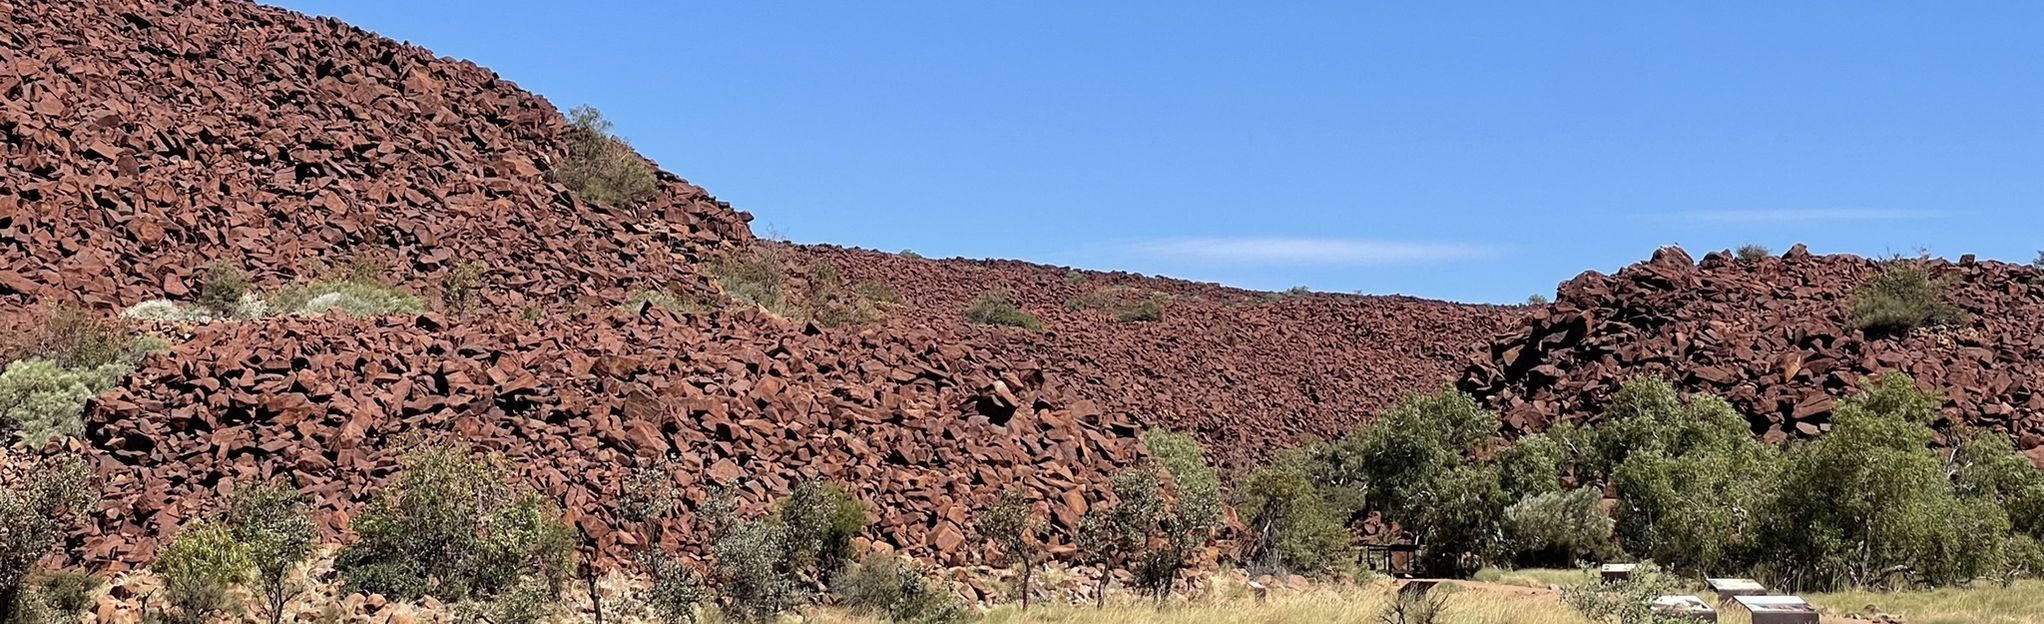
point(1800, 216)
point(1293, 250)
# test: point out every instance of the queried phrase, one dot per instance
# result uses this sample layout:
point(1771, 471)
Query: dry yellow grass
point(1983, 603)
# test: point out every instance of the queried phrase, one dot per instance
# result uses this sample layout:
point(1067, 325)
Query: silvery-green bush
point(355, 297)
point(41, 401)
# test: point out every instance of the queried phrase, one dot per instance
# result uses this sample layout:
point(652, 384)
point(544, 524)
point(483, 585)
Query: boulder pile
point(141, 140)
point(922, 429)
point(1773, 337)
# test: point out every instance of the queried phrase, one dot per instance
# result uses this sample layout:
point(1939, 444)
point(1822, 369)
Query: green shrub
point(1011, 528)
point(1537, 300)
point(1124, 304)
point(198, 568)
point(77, 338)
point(600, 166)
point(461, 289)
point(1417, 462)
point(453, 527)
point(223, 289)
point(67, 593)
point(1687, 476)
point(821, 521)
point(34, 515)
point(41, 401)
point(676, 588)
point(752, 279)
point(748, 565)
point(1871, 498)
point(1901, 297)
point(1292, 524)
point(1530, 466)
point(353, 295)
point(1626, 602)
point(1557, 529)
point(1187, 524)
point(1752, 253)
point(878, 292)
point(910, 254)
point(271, 523)
point(882, 585)
point(1110, 537)
point(998, 308)
point(1986, 465)
point(524, 604)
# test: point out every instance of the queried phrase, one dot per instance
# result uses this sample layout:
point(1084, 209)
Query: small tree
point(1530, 467)
point(1419, 474)
point(753, 584)
point(454, 527)
point(270, 523)
point(1111, 536)
point(224, 288)
point(1012, 529)
point(198, 567)
point(677, 589)
point(1293, 523)
point(1557, 529)
point(600, 166)
point(1753, 253)
point(883, 585)
point(1188, 523)
point(821, 520)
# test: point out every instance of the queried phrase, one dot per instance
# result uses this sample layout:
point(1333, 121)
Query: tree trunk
point(595, 599)
point(1026, 570)
point(1100, 588)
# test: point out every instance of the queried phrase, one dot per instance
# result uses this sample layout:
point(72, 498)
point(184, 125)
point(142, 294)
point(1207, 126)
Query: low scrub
point(1122, 303)
point(1558, 529)
point(1901, 297)
point(663, 300)
point(1752, 253)
point(602, 167)
point(1294, 523)
point(199, 568)
point(357, 297)
point(754, 280)
point(998, 308)
point(71, 356)
point(885, 586)
point(35, 514)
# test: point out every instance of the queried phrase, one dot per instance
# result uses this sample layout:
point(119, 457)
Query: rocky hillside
point(1773, 337)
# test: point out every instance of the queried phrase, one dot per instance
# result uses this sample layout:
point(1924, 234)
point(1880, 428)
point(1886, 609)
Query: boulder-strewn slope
point(1772, 337)
point(924, 429)
point(141, 139)
point(1251, 372)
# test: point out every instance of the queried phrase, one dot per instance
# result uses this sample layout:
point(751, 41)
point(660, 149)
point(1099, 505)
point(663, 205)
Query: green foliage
point(68, 594)
point(878, 292)
point(1011, 528)
point(353, 295)
point(1296, 292)
point(34, 514)
point(1112, 536)
point(41, 400)
point(271, 523)
point(1293, 522)
point(1416, 462)
point(1986, 465)
point(1557, 529)
point(998, 308)
point(198, 568)
point(910, 254)
point(1125, 304)
point(676, 589)
point(525, 604)
point(77, 338)
point(1901, 297)
point(223, 288)
point(1531, 466)
point(2022, 557)
point(1188, 522)
point(460, 290)
point(752, 279)
point(1871, 499)
point(821, 520)
point(453, 527)
point(1752, 253)
point(752, 584)
point(600, 166)
point(1688, 475)
point(1626, 602)
point(1537, 300)
point(882, 585)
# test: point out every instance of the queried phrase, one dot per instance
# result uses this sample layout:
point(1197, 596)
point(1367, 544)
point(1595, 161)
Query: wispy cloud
point(1293, 250)
point(1801, 216)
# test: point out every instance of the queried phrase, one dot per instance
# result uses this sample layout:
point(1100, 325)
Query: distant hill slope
point(1772, 336)
point(141, 140)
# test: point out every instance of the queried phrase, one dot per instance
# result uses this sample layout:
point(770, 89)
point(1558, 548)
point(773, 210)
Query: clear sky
point(1474, 151)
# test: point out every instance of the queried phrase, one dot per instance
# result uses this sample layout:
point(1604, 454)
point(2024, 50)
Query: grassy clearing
point(1983, 603)
point(1537, 578)
point(1231, 604)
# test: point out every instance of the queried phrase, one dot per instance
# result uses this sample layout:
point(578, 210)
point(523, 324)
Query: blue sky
point(1474, 151)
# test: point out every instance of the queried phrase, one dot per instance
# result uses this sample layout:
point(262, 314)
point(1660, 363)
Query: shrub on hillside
point(998, 308)
point(454, 527)
point(1122, 303)
point(527, 603)
point(41, 401)
point(821, 520)
point(223, 288)
point(34, 514)
point(66, 593)
point(752, 582)
point(663, 300)
point(676, 588)
point(198, 569)
point(882, 585)
point(272, 525)
point(1901, 297)
point(1111, 537)
point(1557, 529)
point(1293, 525)
point(355, 296)
point(601, 167)
point(1752, 253)
point(1188, 522)
point(1986, 465)
point(75, 338)
point(752, 279)
point(460, 290)
point(1537, 300)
